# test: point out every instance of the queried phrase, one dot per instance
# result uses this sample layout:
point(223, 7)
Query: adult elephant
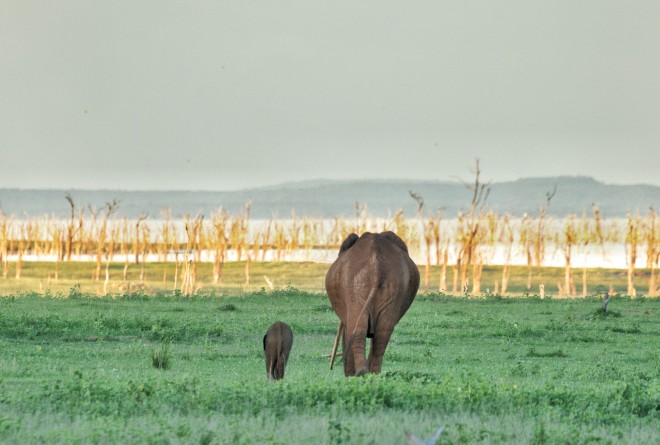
point(370, 285)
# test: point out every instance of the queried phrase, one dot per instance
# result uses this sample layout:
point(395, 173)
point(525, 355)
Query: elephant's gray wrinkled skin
point(277, 346)
point(371, 285)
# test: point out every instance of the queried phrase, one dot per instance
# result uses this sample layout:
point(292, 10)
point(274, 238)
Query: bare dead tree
point(108, 209)
point(166, 234)
point(146, 239)
point(89, 238)
point(507, 237)
point(71, 230)
point(598, 228)
point(652, 239)
point(109, 254)
point(245, 229)
point(428, 229)
point(136, 245)
point(23, 230)
point(193, 228)
point(124, 246)
point(586, 234)
point(632, 243)
point(4, 243)
point(441, 244)
point(80, 231)
point(57, 239)
point(568, 241)
point(266, 240)
point(220, 222)
point(539, 239)
point(470, 229)
point(535, 238)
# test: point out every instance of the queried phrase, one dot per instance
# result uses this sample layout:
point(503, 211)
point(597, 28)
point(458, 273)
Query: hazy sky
point(223, 95)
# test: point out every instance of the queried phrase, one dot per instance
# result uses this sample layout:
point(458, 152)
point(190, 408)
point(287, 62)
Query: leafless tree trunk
point(443, 269)
point(245, 230)
point(71, 230)
point(220, 222)
point(193, 229)
point(136, 246)
point(110, 207)
point(469, 226)
point(114, 235)
point(80, 231)
point(22, 233)
point(4, 245)
point(652, 250)
point(507, 238)
point(586, 234)
point(632, 241)
point(146, 239)
point(166, 234)
point(265, 240)
point(477, 268)
point(125, 247)
point(534, 239)
point(56, 248)
point(569, 240)
point(456, 269)
point(429, 228)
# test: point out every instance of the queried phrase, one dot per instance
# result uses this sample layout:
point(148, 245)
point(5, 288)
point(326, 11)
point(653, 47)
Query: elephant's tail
point(363, 321)
point(363, 318)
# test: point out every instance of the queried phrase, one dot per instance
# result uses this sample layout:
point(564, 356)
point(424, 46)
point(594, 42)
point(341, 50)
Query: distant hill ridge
point(330, 198)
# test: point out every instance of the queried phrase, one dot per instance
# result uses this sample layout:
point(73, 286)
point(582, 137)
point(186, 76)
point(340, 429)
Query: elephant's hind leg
point(355, 362)
point(359, 353)
point(359, 322)
point(378, 345)
point(347, 356)
point(279, 367)
point(271, 369)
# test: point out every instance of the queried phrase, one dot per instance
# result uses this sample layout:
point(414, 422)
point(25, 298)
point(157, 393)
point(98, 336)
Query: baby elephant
point(277, 346)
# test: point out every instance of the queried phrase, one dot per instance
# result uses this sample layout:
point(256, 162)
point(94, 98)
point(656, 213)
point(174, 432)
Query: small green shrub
point(629, 329)
point(228, 308)
point(338, 433)
point(161, 356)
point(556, 353)
point(540, 436)
point(602, 313)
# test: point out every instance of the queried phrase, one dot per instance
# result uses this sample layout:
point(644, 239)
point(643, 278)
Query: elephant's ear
point(265, 341)
point(348, 242)
point(396, 240)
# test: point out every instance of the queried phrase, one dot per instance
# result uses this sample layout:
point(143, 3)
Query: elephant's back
point(279, 333)
point(374, 260)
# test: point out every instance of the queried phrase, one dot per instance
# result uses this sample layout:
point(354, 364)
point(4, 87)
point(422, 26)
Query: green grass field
point(76, 368)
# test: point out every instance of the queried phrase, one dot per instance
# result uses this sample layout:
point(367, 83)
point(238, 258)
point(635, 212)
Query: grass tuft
point(602, 313)
point(161, 356)
point(539, 354)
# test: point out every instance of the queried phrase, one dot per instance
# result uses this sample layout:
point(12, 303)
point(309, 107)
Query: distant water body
point(329, 199)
